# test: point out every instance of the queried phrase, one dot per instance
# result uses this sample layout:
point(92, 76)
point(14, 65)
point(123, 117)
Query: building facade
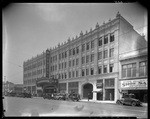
point(18, 88)
point(133, 76)
point(90, 62)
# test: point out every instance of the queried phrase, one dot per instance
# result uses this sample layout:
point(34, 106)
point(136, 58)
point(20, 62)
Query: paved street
point(39, 107)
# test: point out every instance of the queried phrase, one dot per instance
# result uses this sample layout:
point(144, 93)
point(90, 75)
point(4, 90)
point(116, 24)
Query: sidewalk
point(109, 102)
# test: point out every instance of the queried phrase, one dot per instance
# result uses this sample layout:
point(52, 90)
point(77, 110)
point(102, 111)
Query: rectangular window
point(105, 69)
point(143, 68)
point(92, 44)
point(112, 37)
point(124, 71)
point(92, 57)
point(73, 62)
point(83, 60)
point(99, 55)
point(62, 76)
point(88, 46)
point(87, 58)
point(87, 72)
point(70, 52)
point(65, 64)
point(62, 55)
point(129, 68)
point(65, 75)
point(69, 63)
point(77, 62)
point(105, 54)
point(83, 72)
point(92, 71)
point(62, 65)
point(69, 74)
point(106, 39)
point(100, 41)
point(99, 69)
point(59, 56)
point(73, 74)
point(109, 83)
point(77, 49)
point(111, 68)
point(83, 47)
point(74, 51)
point(66, 54)
point(111, 52)
point(59, 66)
point(76, 73)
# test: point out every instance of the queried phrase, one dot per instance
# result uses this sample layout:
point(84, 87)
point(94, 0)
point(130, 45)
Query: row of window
point(86, 46)
point(35, 65)
point(30, 81)
point(101, 42)
point(129, 70)
point(84, 59)
point(86, 72)
point(40, 71)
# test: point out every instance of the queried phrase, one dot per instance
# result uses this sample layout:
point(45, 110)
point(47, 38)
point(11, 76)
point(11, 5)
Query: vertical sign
point(47, 63)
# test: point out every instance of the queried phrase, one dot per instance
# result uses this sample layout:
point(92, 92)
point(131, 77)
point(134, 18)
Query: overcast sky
point(29, 29)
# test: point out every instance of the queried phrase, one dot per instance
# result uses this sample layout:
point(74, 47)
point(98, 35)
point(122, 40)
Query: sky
point(31, 28)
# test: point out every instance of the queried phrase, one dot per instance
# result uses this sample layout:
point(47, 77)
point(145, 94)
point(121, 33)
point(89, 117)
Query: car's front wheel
point(119, 102)
point(133, 103)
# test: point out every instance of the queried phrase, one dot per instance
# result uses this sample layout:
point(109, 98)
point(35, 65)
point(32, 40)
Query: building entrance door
point(87, 88)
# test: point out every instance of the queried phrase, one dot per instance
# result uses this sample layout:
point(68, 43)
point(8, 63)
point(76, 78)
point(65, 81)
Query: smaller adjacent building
point(133, 75)
point(18, 88)
point(8, 87)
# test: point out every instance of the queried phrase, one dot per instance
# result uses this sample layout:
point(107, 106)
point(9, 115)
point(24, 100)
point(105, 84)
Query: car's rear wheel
point(133, 103)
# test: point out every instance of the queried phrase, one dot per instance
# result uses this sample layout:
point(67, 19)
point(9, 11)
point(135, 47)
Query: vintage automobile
point(47, 96)
point(59, 96)
point(74, 97)
point(27, 95)
point(129, 99)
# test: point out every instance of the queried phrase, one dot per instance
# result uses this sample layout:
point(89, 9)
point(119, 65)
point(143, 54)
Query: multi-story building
point(35, 69)
point(90, 62)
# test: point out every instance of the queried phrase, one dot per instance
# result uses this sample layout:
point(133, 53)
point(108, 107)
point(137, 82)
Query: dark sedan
point(129, 99)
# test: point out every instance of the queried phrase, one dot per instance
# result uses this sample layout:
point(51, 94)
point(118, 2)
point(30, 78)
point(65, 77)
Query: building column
point(103, 89)
point(94, 94)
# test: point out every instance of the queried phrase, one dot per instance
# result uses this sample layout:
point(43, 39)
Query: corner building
point(90, 62)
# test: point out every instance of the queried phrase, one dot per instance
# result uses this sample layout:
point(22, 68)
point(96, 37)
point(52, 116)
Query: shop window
point(92, 71)
point(88, 46)
point(92, 57)
point(109, 94)
point(99, 55)
point(109, 82)
point(105, 54)
point(92, 44)
point(106, 39)
point(87, 59)
point(99, 69)
point(111, 68)
point(87, 72)
point(105, 69)
point(111, 54)
point(83, 47)
point(143, 68)
point(100, 41)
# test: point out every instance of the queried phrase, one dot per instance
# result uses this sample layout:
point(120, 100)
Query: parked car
point(12, 94)
point(129, 99)
point(59, 96)
point(27, 95)
point(74, 97)
point(47, 96)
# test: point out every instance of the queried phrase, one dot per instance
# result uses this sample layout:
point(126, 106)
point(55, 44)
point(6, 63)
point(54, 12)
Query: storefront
point(73, 87)
point(105, 89)
point(138, 87)
point(62, 87)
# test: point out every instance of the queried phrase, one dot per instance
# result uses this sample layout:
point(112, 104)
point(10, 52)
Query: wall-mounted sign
point(138, 83)
point(99, 85)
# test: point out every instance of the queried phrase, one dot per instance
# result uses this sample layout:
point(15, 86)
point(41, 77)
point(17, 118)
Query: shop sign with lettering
point(99, 85)
point(139, 83)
